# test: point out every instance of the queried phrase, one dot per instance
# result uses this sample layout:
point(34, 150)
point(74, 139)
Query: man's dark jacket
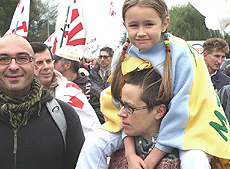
point(219, 80)
point(39, 144)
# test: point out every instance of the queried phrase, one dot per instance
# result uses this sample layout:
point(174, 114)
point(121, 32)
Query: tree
point(123, 39)
point(186, 22)
point(7, 8)
point(40, 14)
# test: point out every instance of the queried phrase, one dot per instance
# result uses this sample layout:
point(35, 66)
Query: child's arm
point(133, 160)
point(154, 157)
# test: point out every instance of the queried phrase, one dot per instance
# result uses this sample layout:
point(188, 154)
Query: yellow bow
point(131, 63)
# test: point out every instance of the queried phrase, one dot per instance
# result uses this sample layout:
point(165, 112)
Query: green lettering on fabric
point(191, 48)
point(218, 101)
point(219, 128)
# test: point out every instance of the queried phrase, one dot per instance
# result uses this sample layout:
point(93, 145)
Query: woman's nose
point(122, 112)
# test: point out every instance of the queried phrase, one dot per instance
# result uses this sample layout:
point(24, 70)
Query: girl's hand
point(135, 162)
point(149, 163)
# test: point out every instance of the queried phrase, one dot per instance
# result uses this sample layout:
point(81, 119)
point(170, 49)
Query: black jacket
point(39, 143)
point(219, 80)
point(224, 95)
point(97, 81)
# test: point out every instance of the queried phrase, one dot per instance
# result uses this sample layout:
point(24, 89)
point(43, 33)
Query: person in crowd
point(215, 50)
point(194, 104)
point(63, 89)
point(99, 75)
point(67, 62)
point(141, 114)
point(29, 136)
point(224, 95)
point(84, 65)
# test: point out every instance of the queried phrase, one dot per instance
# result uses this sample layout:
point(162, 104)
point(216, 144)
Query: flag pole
point(65, 26)
point(16, 27)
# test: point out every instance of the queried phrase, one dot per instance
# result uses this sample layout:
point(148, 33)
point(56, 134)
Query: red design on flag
point(23, 27)
point(73, 32)
point(75, 102)
point(19, 3)
point(75, 14)
point(76, 33)
point(76, 29)
point(55, 45)
point(23, 9)
point(111, 11)
point(91, 41)
point(73, 85)
point(52, 42)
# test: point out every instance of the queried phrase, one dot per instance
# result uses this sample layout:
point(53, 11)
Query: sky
point(103, 20)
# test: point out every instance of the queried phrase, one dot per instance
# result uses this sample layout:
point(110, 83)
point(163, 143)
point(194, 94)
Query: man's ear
point(205, 54)
point(67, 65)
point(36, 71)
point(160, 111)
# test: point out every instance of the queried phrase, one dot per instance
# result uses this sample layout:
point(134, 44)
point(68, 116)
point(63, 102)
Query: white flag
point(51, 42)
point(76, 32)
point(20, 21)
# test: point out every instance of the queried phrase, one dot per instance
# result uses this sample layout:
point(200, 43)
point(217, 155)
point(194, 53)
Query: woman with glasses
point(141, 113)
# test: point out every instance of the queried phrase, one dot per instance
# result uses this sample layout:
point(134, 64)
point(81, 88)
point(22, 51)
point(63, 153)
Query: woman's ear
point(160, 111)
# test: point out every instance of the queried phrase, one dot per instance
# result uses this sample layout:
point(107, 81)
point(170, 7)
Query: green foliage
point(123, 39)
point(7, 8)
point(41, 14)
point(186, 22)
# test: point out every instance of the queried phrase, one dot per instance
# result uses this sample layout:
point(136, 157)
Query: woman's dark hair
point(149, 81)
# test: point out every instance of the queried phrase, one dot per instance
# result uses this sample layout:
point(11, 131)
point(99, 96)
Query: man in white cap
point(63, 89)
point(67, 61)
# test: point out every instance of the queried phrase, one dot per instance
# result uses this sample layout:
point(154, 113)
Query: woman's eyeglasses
point(129, 109)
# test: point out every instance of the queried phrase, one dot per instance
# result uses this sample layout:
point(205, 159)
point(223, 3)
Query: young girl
point(195, 123)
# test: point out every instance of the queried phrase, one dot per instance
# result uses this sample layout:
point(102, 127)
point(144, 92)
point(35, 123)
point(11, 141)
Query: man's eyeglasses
point(129, 109)
point(222, 57)
point(103, 56)
point(6, 60)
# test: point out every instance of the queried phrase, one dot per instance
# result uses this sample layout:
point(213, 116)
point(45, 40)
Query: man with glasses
point(62, 89)
point(100, 74)
point(29, 136)
point(214, 55)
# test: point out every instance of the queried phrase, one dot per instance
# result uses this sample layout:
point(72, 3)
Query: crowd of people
point(155, 104)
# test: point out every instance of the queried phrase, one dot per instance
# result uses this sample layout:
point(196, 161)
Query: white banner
point(51, 41)
point(75, 33)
